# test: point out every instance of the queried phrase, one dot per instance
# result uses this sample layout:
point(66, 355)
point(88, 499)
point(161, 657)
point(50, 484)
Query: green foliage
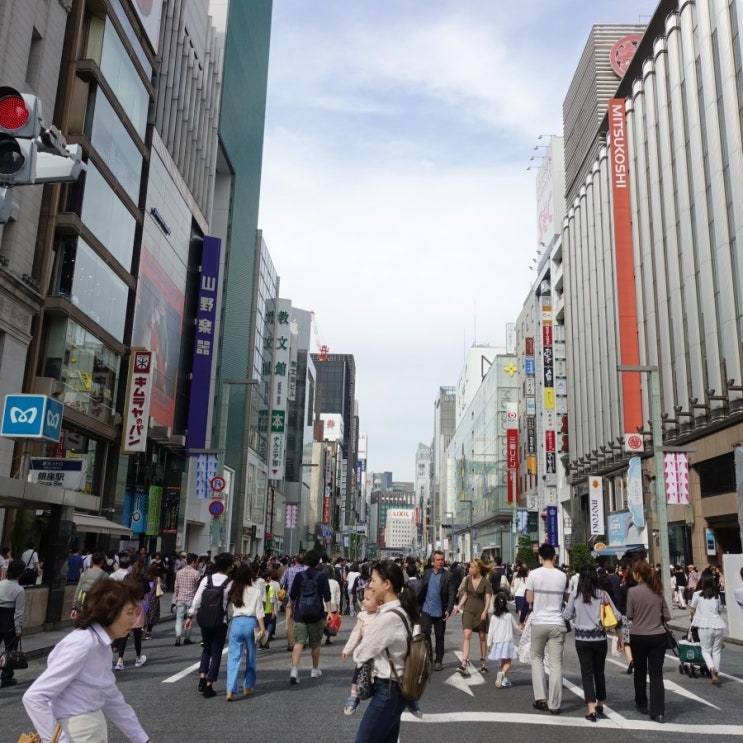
point(580, 555)
point(525, 553)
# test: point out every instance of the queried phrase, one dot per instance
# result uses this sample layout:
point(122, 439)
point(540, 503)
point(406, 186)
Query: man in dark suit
point(436, 605)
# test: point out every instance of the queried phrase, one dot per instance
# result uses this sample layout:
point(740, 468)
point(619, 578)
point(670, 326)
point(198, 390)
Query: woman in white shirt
point(248, 612)
point(388, 632)
point(78, 688)
point(705, 616)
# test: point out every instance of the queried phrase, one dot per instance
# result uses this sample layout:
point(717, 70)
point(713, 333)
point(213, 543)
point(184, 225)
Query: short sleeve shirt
point(549, 586)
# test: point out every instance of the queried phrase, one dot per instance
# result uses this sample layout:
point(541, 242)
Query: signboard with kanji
point(138, 395)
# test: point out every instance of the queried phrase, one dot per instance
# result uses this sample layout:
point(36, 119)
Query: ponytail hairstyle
point(388, 570)
point(500, 605)
point(648, 575)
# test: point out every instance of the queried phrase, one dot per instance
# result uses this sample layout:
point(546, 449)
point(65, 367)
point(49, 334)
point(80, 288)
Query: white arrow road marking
point(567, 721)
point(185, 672)
point(463, 684)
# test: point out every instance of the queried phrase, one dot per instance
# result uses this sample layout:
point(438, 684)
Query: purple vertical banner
point(205, 343)
point(552, 534)
point(139, 510)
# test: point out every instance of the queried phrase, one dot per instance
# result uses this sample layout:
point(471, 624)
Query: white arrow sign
point(463, 684)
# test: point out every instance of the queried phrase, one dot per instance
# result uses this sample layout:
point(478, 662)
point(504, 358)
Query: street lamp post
point(227, 384)
point(660, 479)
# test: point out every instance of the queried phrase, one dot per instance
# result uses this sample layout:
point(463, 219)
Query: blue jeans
point(381, 721)
point(241, 635)
point(181, 612)
point(211, 655)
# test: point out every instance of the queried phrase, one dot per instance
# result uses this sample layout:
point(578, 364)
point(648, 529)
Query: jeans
point(270, 623)
point(648, 652)
point(381, 721)
point(241, 635)
point(439, 627)
point(551, 636)
point(211, 655)
point(181, 611)
point(592, 659)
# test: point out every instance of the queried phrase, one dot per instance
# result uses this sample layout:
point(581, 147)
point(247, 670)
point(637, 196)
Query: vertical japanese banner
point(596, 505)
point(153, 511)
point(205, 344)
point(171, 508)
point(512, 452)
point(281, 362)
point(629, 348)
point(552, 530)
point(635, 501)
point(669, 470)
point(137, 410)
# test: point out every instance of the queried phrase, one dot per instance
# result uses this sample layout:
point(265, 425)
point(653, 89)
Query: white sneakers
point(315, 673)
point(294, 676)
point(119, 666)
point(140, 661)
point(499, 679)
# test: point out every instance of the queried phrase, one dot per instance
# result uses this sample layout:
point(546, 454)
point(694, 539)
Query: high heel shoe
point(591, 717)
point(483, 666)
point(463, 668)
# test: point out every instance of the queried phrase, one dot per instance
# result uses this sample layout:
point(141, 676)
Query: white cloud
point(395, 200)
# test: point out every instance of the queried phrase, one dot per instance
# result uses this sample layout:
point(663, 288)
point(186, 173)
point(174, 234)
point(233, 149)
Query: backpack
point(310, 607)
point(211, 611)
point(87, 580)
point(417, 670)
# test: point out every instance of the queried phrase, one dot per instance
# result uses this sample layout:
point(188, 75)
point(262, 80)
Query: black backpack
point(310, 606)
point(211, 611)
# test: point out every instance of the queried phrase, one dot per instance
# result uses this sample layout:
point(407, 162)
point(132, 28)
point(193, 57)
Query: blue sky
point(395, 199)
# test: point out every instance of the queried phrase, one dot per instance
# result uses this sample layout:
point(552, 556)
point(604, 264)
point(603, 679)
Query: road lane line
point(185, 672)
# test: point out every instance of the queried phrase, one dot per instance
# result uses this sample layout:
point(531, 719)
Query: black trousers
point(592, 659)
point(7, 634)
point(211, 655)
point(438, 624)
point(648, 652)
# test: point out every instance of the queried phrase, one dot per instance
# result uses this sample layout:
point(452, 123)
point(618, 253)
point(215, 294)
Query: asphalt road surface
point(164, 694)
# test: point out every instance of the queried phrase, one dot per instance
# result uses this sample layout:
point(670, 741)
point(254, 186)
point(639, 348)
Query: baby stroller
point(691, 661)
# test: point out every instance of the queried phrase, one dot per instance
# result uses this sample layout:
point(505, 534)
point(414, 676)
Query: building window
point(86, 280)
point(87, 368)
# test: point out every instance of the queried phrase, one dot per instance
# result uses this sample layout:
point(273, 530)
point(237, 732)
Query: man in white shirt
point(546, 591)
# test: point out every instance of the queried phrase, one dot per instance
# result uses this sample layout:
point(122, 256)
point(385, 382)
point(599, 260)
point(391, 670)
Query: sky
point(396, 202)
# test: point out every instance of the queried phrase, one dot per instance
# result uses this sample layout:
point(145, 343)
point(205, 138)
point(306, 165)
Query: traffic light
point(20, 126)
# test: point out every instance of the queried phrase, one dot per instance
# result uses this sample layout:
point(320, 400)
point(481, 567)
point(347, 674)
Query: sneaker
point(414, 709)
point(294, 676)
point(499, 679)
point(315, 673)
point(506, 682)
point(351, 703)
point(140, 661)
point(119, 666)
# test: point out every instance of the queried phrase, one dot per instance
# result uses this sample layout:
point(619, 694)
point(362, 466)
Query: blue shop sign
point(32, 417)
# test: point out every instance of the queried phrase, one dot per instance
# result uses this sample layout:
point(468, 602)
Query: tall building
point(336, 392)
point(444, 425)
point(651, 254)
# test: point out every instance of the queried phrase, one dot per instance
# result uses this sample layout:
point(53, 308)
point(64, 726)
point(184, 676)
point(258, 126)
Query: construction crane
point(322, 351)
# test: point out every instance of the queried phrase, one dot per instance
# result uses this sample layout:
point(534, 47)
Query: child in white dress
point(500, 639)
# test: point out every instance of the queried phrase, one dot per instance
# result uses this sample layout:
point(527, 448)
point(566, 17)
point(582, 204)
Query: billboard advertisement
point(157, 326)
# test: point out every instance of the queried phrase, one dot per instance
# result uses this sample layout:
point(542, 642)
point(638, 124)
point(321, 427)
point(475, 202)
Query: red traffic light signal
point(20, 114)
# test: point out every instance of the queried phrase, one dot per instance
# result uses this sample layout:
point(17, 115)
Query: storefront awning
point(99, 525)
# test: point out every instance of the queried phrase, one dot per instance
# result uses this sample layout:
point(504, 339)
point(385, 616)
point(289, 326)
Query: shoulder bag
point(365, 680)
point(607, 617)
point(671, 643)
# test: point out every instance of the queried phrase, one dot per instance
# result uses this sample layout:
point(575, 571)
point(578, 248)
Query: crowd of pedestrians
point(236, 602)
